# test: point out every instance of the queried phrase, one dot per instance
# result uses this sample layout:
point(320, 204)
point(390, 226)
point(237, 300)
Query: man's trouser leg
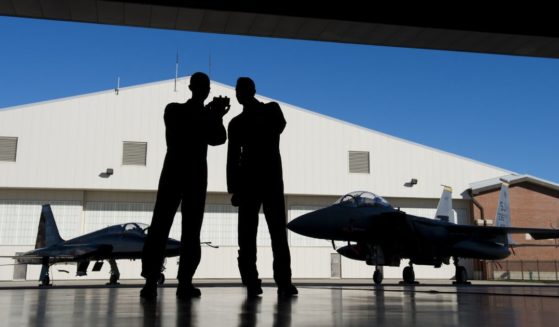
point(192, 210)
point(247, 229)
point(153, 254)
point(274, 210)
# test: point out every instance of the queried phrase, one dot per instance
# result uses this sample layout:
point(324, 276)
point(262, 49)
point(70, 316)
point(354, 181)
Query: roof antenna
point(176, 70)
point(210, 65)
point(117, 89)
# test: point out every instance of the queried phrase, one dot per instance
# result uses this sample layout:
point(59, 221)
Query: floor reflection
point(40, 319)
point(249, 311)
point(151, 313)
point(283, 311)
point(315, 306)
point(186, 312)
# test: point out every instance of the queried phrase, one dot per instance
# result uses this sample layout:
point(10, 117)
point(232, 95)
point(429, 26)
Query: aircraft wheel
point(161, 279)
point(45, 281)
point(409, 275)
point(377, 277)
point(113, 280)
point(461, 275)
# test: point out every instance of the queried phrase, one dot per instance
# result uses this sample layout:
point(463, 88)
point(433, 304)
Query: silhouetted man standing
point(190, 128)
point(254, 177)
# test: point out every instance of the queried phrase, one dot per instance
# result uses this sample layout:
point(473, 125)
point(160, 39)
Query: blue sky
point(501, 110)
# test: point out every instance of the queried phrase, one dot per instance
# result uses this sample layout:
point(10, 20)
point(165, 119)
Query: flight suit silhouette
point(255, 178)
point(190, 128)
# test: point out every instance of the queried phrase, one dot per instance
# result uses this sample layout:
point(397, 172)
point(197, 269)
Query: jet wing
point(63, 253)
point(496, 233)
point(73, 250)
point(525, 245)
point(37, 260)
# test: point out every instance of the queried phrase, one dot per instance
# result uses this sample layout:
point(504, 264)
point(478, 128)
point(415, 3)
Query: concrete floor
point(318, 304)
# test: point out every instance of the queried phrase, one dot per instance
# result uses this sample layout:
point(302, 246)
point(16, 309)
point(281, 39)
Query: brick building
point(533, 203)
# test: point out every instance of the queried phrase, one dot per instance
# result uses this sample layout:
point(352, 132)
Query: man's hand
point(236, 200)
point(219, 106)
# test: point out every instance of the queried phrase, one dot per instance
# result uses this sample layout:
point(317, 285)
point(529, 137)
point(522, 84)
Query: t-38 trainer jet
point(111, 243)
point(382, 235)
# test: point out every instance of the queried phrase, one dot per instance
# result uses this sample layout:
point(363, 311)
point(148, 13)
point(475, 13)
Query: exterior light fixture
point(107, 173)
point(411, 183)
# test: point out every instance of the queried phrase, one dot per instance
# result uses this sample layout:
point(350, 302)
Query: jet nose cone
point(299, 226)
point(330, 223)
point(310, 225)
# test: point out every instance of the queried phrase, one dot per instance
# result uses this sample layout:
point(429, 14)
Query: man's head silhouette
point(245, 90)
point(200, 86)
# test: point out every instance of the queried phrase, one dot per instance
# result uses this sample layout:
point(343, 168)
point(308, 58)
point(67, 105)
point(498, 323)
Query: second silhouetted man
point(254, 178)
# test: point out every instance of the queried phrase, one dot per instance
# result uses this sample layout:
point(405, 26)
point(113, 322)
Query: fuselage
point(115, 242)
point(383, 235)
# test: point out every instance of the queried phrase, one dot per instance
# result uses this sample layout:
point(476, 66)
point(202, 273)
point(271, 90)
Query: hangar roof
point(474, 28)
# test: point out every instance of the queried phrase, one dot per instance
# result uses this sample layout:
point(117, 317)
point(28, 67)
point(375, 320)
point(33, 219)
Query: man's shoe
point(149, 291)
point(254, 290)
point(287, 290)
point(188, 292)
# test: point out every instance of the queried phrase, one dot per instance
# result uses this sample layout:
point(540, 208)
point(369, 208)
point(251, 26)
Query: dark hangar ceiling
point(504, 31)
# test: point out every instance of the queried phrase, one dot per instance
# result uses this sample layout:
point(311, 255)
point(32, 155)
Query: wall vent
point(134, 153)
point(359, 162)
point(8, 148)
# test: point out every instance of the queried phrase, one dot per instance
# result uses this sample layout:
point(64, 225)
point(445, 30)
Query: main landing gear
point(161, 279)
point(461, 275)
point(377, 276)
point(115, 274)
point(408, 275)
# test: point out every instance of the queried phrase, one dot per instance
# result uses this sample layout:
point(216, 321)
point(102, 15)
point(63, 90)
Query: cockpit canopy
point(137, 228)
point(362, 199)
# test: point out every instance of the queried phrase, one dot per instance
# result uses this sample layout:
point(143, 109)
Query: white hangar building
point(58, 152)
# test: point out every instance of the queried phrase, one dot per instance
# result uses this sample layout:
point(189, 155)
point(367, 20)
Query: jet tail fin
point(502, 217)
point(444, 208)
point(47, 234)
